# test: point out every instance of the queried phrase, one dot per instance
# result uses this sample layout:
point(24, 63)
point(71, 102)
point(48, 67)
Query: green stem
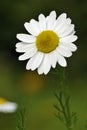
point(63, 109)
point(21, 120)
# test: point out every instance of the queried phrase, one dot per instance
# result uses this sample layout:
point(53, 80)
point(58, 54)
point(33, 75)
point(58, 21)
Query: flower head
point(49, 41)
point(6, 106)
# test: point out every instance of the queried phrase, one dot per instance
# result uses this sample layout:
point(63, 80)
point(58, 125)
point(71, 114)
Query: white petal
point(73, 32)
point(42, 22)
point(68, 39)
point(35, 25)
point(64, 27)
point(19, 44)
point(62, 16)
point(23, 44)
point(32, 27)
point(8, 107)
point(72, 47)
point(26, 38)
point(35, 61)
point(61, 60)
point(45, 65)
point(64, 51)
point(60, 21)
point(25, 48)
point(28, 54)
point(53, 58)
point(67, 31)
point(66, 23)
point(53, 14)
point(51, 19)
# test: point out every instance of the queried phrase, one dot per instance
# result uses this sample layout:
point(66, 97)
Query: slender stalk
point(21, 119)
point(62, 106)
point(63, 109)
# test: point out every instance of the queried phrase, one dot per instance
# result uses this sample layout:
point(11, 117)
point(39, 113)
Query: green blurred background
point(28, 88)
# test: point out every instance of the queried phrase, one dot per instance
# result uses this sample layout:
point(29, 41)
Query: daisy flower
point(49, 41)
point(6, 106)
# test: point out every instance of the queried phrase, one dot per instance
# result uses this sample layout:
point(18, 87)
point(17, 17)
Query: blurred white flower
point(49, 41)
point(6, 106)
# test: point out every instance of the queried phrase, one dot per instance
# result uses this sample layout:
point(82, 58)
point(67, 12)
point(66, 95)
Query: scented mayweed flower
point(6, 106)
point(49, 41)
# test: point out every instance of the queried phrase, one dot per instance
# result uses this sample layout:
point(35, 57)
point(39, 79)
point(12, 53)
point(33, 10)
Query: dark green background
point(15, 82)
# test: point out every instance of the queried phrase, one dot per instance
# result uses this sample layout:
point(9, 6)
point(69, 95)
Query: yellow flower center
point(47, 41)
point(2, 101)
